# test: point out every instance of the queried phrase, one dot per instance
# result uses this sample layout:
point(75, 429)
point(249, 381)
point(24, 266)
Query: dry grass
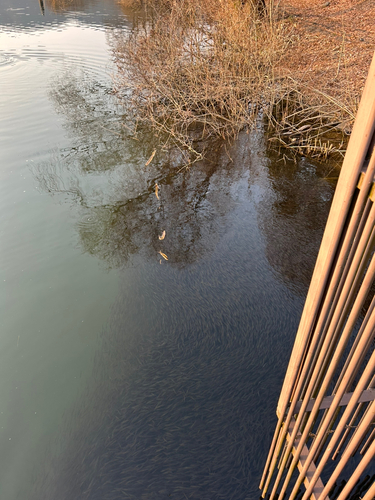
point(196, 69)
point(129, 3)
point(309, 121)
point(201, 69)
point(328, 62)
point(334, 44)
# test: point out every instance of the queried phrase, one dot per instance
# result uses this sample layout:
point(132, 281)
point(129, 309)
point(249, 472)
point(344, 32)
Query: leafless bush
point(196, 69)
point(309, 121)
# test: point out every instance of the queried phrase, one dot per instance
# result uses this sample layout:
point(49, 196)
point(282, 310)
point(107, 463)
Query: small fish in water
point(156, 190)
point(151, 158)
point(162, 236)
point(163, 255)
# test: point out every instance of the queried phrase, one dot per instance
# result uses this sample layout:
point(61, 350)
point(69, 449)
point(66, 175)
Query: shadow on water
point(294, 215)
point(183, 392)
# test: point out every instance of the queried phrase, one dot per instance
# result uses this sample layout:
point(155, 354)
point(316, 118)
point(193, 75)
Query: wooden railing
point(326, 408)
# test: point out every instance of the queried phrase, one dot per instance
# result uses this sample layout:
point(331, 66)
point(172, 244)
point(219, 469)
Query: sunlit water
point(123, 374)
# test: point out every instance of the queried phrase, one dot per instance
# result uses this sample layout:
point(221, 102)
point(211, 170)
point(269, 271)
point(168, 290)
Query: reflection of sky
point(48, 336)
point(26, 14)
point(35, 48)
point(29, 64)
point(71, 40)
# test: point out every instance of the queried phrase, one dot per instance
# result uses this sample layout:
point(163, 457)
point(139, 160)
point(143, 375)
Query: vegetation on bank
point(195, 70)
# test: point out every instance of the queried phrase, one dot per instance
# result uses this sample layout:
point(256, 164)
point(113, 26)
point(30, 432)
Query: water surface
point(123, 374)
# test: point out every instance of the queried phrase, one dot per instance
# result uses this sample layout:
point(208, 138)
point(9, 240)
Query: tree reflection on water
point(120, 216)
point(105, 173)
point(293, 217)
point(184, 383)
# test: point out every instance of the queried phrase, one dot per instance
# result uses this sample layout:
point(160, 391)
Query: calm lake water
point(122, 374)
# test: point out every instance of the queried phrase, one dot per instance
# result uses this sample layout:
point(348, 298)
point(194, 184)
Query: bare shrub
point(309, 121)
point(197, 69)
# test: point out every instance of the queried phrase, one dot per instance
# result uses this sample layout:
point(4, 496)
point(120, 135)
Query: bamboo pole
point(352, 422)
point(303, 357)
point(354, 346)
point(359, 142)
point(353, 318)
point(367, 374)
point(352, 282)
point(368, 442)
point(353, 234)
point(370, 495)
point(359, 441)
point(340, 348)
point(360, 406)
point(357, 437)
point(363, 464)
point(358, 220)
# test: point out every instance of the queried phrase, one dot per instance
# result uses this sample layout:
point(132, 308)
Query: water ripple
point(8, 59)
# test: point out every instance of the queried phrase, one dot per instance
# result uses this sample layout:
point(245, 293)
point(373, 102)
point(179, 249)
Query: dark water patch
point(182, 401)
point(292, 215)
point(178, 405)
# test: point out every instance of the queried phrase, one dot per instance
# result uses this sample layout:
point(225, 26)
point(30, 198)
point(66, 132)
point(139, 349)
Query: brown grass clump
point(129, 3)
point(199, 69)
point(326, 64)
point(309, 121)
point(196, 69)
